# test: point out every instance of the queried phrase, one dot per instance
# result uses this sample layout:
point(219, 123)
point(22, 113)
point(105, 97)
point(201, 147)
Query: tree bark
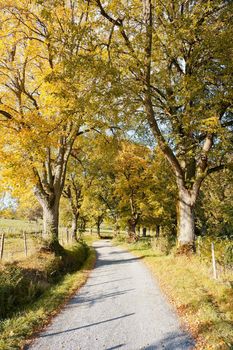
point(116, 228)
point(132, 223)
point(144, 232)
point(185, 221)
point(157, 230)
point(74, 227)
point(50, 224)
point(98, 229)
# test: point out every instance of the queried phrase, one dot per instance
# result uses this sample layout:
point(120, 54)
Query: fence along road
point(120, 307)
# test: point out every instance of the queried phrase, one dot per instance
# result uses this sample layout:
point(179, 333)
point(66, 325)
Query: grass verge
point(22, 325)
point(204, 305)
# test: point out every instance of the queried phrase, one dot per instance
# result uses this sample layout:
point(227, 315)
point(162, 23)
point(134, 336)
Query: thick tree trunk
point(157, 230)
point(98, 229)
point(144, 232)
point(74, 227)
point(132, 228)
point(116, 229)
point(185, 222)
point(50, 223)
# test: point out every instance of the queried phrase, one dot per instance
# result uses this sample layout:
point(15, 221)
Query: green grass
point(203, 304)
point(15, 225)
point(14, 238)
point(17, 329)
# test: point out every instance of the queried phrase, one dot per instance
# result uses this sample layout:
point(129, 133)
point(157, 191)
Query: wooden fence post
point(2, 245)
point(25, 244)
point(67, 235)
point(213, 261)
point(198, 246)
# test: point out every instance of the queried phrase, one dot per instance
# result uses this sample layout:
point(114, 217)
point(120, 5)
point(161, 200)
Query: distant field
point(14, 237)
point(15, 226)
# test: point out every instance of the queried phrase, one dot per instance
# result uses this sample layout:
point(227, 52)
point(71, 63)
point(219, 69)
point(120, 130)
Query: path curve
point(120, 307)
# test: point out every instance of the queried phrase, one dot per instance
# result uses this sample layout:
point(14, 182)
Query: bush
point(223, 248)
point(165, 244)
point(21, 284)
point(74, 258)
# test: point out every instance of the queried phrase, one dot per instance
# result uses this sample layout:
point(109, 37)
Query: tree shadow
point(91, 300)
point(105, 262)
point(116, 346)
point(101, 246)
point(119, 252)
point(173, 341)
point(112, 281)
point(86, 326)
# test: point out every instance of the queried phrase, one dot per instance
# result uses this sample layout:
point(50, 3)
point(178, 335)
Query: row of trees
point(73, 69)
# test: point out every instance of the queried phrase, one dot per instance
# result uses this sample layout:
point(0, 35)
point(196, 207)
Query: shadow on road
point(106, 262)
point(79, 299)
point(116, 347)
point(86, 326)
point(119, 252)
point(112, 281)
point(172, 341)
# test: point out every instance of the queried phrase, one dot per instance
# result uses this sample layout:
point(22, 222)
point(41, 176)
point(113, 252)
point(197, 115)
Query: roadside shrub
point(164, 244)
point(74, 257)
point(21, 283)
point(223, 248)
point(16, 289)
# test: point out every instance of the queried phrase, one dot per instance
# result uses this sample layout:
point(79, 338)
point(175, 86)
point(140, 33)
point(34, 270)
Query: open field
point(16, 232)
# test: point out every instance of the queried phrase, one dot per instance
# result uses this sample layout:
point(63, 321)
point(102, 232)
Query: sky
point(7, 201)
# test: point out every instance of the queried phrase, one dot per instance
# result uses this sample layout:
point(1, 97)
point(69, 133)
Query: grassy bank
point(204, 305)
point(43, 297)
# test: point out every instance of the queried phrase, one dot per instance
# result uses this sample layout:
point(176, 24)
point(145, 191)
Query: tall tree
point(174, 56)
point(132, 181)
point(44, 49)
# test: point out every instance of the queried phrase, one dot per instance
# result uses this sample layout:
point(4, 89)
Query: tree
point(159, 210)
point(100, 201)
point(42, 54)
point(214, 207)
point(175, 57)
point(132, 179)
point(79, 181)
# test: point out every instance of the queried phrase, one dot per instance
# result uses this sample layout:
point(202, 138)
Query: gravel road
point(120, 307)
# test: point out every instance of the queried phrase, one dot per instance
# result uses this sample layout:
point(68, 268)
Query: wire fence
point(26, 238)
point(217, 253)
point(18, 244)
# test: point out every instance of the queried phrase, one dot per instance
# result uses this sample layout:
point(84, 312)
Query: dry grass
point(203, 304)
point(19, 329)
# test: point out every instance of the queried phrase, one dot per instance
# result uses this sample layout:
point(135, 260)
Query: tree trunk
point(74, 227)
point(116, 229)
point(50, 225)
point(157, 230)
point(185, 222)
point(98, 229)
point(144, 232)
point(132, 228)
point(98, 223)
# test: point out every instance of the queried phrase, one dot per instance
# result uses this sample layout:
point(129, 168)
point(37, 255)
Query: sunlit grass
point(22, 325)
point(203, 304)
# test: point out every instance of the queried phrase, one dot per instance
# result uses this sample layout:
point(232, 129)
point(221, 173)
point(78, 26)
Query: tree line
point(124, 108)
